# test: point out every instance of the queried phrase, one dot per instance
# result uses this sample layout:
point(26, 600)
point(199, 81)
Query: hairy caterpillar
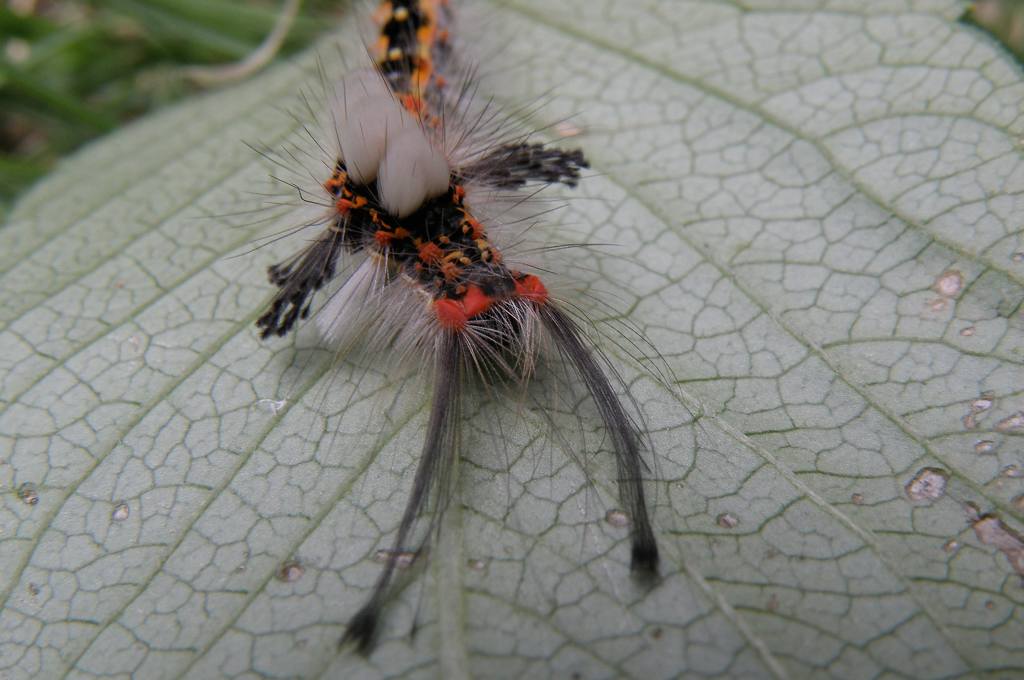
point(411, 168)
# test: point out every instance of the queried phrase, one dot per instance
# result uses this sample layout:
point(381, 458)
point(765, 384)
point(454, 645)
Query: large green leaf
point(818, 206)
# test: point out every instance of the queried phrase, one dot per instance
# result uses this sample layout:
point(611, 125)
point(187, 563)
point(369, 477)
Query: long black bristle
point(623, 431)
point(433, 475)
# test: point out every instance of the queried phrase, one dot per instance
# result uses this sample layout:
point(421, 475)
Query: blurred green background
point(71, 70)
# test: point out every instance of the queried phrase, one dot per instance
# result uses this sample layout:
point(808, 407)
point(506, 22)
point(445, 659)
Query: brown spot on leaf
point(929, 484)
point(979, 405)
point(727, 521)
point(950, 283)
point(617, 518)
point(991, 531)
point(290, 572)
point(28, 494)
point(1011, 422)
point(984, 446)
point(120, 512)
point(402, 559)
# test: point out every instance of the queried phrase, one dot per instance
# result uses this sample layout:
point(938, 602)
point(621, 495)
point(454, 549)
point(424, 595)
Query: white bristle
point(350, 305)
point(365, 134)
point(411, 172)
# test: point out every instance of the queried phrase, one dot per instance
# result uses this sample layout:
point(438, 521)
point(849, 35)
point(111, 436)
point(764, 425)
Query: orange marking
point(450, 271)
point(382, 13)
point(459, 194)
point(334, 183)
point(531, 288)
point(381, 48)
point(475, 226)
point(425, 36)
point(430, 253)
point(344, 205)
point(383, 238)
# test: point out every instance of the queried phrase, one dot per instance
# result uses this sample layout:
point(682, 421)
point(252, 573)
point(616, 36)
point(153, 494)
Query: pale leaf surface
point(818, 207)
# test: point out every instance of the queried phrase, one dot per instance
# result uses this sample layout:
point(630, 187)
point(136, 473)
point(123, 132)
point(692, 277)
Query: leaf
point(819, 211)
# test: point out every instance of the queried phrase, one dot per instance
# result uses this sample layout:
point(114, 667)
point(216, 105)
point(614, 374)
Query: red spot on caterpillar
point(531, 288)
point(459, 194)
point(450, 314)
point(414, 104)
point(430, 253)
point(476, 301)
point(454, 314)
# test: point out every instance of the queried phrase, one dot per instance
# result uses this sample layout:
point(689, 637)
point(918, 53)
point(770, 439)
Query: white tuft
point(411, 172)
point(375, 314)
point(354, 88)
point(365, 134)
point(350, 307)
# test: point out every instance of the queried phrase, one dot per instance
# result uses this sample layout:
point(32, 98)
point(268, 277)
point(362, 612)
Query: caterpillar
point(411, 168)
